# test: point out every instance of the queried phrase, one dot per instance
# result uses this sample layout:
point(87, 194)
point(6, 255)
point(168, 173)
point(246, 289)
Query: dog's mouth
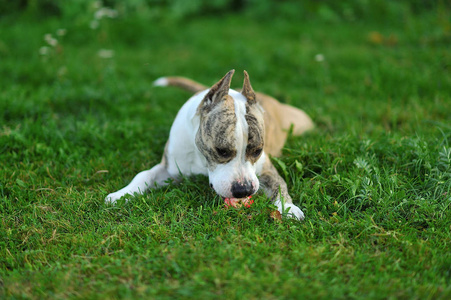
point(236, 202)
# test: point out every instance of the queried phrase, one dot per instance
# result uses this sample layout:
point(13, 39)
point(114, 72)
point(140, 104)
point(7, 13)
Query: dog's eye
point(224, 152)
point(257, 152)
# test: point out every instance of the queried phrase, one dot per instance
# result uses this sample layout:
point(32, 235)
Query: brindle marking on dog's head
point(254, 119)
point(215, 138)
point(256, 133)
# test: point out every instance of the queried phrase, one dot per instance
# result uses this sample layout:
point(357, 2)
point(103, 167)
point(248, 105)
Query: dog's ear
point(248, 91)
point(218, 91)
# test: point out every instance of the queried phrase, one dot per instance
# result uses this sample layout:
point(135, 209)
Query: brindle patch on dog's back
point(216, 134)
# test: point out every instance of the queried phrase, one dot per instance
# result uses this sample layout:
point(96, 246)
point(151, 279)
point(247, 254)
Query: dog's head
point(231, 138)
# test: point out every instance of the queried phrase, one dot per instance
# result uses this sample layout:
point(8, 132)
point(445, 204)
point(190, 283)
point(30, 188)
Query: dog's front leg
point(276, 189)
point(142, 182)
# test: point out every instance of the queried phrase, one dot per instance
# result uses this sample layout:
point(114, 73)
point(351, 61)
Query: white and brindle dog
point(226, 135)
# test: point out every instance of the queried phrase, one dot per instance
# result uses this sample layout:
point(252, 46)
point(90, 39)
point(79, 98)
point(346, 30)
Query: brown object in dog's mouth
point(238, 202)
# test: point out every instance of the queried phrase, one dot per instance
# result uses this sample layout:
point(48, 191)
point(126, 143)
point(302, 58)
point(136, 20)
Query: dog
point(228, 136)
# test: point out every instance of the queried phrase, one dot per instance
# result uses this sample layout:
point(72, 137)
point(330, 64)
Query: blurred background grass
point(145, 23)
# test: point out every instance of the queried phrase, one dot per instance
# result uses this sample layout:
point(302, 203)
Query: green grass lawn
point(373, 178)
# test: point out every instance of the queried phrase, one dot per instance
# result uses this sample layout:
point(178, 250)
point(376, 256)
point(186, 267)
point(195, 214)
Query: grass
point(373, 178)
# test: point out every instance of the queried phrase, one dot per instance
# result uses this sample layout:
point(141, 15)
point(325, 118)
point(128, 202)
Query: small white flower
point(98, 14)
point(105, 12)
point(105, 53)
point(53, 42)
point(111, 13)
point(61, 32)
point(319, 57)
point(50, 40)
point(44, 50)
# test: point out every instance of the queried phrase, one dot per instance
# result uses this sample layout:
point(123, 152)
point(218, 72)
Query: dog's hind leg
point(276, 189)
point(143, 181)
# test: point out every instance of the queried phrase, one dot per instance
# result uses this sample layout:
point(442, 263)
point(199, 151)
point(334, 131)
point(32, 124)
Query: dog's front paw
point(294, 212)
point(113, 197)
point(290, 210)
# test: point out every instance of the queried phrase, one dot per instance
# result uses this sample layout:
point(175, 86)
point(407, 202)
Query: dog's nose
point(241, 190)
